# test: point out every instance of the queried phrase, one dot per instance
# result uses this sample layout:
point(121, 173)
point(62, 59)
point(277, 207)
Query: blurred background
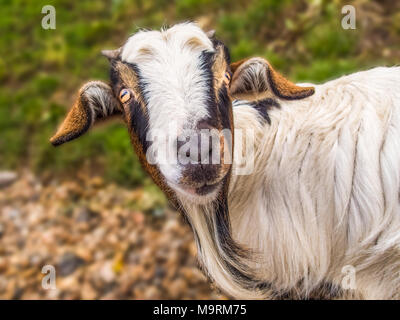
point(87, 208)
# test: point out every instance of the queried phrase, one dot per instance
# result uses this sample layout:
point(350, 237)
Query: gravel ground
point(104, 241)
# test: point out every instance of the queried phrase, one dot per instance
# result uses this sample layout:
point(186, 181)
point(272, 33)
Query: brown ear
point(254, 79)
point(96, 100)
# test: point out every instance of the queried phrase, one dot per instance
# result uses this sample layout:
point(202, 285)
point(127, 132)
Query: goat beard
point(222, 259)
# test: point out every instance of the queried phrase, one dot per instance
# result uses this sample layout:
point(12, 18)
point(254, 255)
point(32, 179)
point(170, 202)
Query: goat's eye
point(227, 78)
point(124, 95)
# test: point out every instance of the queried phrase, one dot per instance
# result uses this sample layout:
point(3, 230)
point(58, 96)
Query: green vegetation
point(41, 70)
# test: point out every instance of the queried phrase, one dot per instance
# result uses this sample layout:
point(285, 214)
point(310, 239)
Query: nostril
point(179, 145)
point(196, 146)
point(183, 151)
point(210, 141)
point(205, 147)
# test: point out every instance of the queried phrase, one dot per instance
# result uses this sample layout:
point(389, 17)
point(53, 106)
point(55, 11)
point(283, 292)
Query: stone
point(7, 178)
point(106, 272)
point(68, 263)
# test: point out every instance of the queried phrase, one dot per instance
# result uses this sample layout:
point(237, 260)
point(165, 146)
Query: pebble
point(69, 262)
point(7, 178)
point(106, 272)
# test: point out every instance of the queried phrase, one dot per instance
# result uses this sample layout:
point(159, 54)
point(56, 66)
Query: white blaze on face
point(176, 88)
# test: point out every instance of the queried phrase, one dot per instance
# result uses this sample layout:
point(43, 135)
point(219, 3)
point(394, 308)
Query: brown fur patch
point(77, 121)
point(285, 89)
point(194, 43)
point(219, 68)
point(145, 51)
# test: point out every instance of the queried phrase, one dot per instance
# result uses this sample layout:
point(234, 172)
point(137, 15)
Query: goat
point(324, 190)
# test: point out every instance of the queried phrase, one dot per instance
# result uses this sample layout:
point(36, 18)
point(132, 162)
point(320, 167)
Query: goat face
point(171, 89)
point(178, 101)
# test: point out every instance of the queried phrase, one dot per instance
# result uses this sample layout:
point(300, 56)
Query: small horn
point(211, 34)
point(111, 54)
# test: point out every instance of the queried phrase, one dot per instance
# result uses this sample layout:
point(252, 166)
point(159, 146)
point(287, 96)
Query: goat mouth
point(206, 189)
point(202, 191)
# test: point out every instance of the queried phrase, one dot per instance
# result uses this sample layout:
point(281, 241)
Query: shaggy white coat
point(324, 193)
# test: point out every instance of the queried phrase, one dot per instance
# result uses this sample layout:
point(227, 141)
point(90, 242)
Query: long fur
point(324, 194)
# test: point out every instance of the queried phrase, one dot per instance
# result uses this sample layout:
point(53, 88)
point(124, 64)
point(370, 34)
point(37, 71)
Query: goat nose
point(194, 149)
point(205, 147)
point(209, 140)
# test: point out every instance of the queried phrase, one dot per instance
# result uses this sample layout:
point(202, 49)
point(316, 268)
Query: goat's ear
point(255, 79)
point(95, 101)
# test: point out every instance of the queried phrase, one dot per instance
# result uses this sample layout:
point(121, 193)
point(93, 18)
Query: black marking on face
point(224, 101)
point(224, 104)
point(207, 59)
point(134, 111)
point(139, 119)
point(219, 112)
point(216, 43)
point(139, 123)
point(141, 82)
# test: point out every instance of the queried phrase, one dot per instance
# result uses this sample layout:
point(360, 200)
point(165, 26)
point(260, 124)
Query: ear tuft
point(95, 100)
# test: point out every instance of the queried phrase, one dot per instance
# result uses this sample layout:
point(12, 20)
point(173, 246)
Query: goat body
point(324, 194)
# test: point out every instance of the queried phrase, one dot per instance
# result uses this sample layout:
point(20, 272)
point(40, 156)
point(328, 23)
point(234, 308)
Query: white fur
point(176, 87)
point(325, 190)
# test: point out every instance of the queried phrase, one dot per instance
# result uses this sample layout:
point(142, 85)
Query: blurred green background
point(41, 70)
